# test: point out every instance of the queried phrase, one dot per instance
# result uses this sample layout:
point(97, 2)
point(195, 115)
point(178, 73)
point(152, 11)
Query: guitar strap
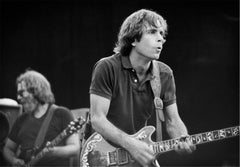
point(42, 132)
point(156, 87)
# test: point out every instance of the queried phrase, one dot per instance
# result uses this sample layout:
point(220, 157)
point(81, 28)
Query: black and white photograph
point(124, 83)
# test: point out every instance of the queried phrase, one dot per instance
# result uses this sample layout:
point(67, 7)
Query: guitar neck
point(54, 142)
point(168, 145)
point(72, 127)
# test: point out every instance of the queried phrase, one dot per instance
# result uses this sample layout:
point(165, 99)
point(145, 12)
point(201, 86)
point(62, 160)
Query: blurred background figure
point(37, 99)
point(9, 111)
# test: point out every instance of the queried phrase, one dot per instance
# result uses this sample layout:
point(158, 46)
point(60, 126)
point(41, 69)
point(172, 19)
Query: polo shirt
point(131, 103)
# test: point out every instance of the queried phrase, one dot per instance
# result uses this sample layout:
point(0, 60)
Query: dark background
point(63, 39)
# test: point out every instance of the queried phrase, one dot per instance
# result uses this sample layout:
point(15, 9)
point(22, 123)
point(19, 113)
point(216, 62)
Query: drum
point(4, 127)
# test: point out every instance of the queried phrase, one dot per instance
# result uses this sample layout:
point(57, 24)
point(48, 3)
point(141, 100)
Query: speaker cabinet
point(8, 115)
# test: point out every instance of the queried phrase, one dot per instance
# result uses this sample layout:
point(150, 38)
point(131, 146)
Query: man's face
point(26, 98)
point(151, 42)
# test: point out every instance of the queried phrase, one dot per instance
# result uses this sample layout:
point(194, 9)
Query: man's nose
point(161, 39)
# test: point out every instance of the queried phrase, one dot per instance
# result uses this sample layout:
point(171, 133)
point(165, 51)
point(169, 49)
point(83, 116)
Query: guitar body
point(99, 152)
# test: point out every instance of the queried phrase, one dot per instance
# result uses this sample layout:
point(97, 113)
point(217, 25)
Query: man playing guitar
point(121, 97)
point(35, 95)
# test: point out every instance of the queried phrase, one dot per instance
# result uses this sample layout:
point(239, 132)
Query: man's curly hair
point(38, 85)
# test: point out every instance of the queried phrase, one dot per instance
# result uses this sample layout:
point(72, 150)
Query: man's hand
point(141, 152)
point(49, 150)
point(185, 146)
point(17, 162)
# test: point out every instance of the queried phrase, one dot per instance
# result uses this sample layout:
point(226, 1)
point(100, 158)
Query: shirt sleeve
point(169, 94)
point(66, 116)
point(101, 83)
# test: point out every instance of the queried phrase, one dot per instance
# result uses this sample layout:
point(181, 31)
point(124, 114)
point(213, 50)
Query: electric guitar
point(98, 152)
point(73, 127)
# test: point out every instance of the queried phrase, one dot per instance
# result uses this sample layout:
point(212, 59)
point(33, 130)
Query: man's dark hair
point(133, 27)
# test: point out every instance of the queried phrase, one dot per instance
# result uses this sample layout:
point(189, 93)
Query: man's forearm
point(9, 155)
point(110, 132)
point(176, 129)
point(64, 151)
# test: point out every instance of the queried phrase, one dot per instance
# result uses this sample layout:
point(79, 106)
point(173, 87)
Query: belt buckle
point(158, 103)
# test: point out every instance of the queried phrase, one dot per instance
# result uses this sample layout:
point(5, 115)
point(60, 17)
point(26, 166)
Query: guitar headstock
point(76, 125)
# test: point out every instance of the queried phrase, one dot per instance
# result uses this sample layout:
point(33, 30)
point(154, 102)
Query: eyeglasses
point(22, 93)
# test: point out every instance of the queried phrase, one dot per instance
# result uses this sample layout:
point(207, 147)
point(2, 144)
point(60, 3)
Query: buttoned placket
point(134, 76)
point(135, 80)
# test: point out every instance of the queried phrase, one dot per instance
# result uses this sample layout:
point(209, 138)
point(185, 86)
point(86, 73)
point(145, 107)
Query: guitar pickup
point(122, 156)
point(117, 157)
point(112, 158)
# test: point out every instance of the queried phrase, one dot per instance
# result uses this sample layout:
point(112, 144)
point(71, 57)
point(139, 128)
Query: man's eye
point(162, 33)
point(20, 93)
point(152, 31)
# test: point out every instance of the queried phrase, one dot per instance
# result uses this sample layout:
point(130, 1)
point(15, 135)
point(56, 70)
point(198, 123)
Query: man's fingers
point(185, 145)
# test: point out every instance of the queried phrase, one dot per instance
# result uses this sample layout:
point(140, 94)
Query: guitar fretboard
point(168, 145)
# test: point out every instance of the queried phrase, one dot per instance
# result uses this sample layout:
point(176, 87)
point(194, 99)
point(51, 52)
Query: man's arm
point(139, 150)
point(176, 128)
point(9, 152)
point(71, 148)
